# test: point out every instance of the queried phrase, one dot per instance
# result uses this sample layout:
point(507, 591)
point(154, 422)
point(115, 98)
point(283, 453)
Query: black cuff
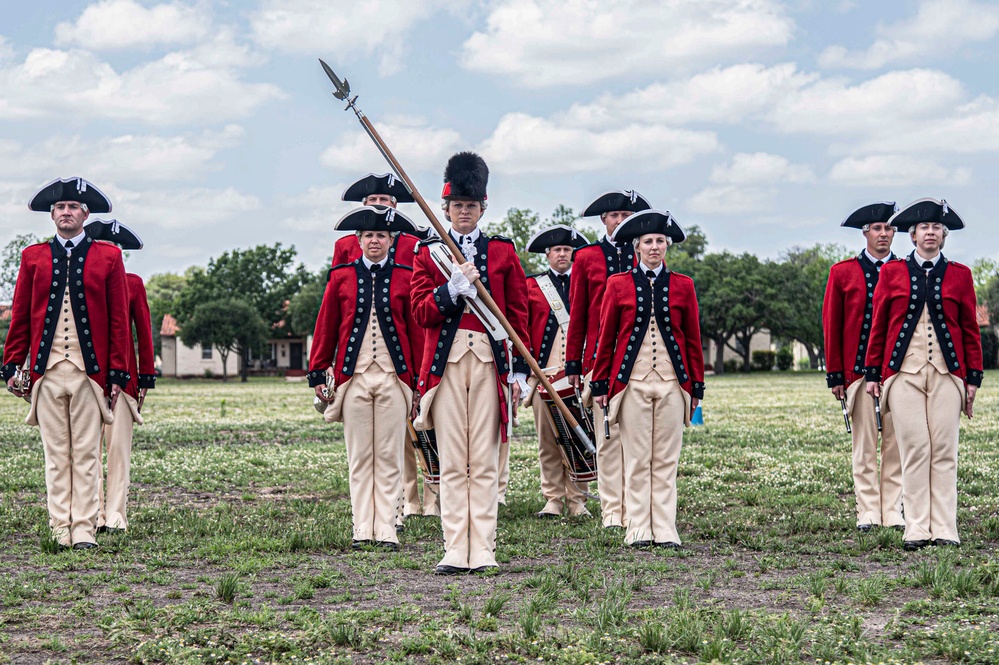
point(443, 299)
point(7, 371)
point(599, 388)
point(520, 366)
point(317, 377)
point(574, 368)
point(147, 381)
point(119, 377)
point(975, 377)
point(834, 379)
point(697, 390)
point(872, 374)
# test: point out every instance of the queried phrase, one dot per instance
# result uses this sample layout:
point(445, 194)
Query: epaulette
point(426, 242)
point(589, 244)
point(503, 238)
point(537, 274)
point(403, 266)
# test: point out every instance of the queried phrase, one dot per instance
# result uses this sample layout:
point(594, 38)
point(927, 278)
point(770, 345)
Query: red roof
point(169, 326)
point(982, 314)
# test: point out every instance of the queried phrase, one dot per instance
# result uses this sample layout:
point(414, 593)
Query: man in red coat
point(69, 324)
point(113, 494)
point(649, 373)
point(466, 371)
point(548, 319)
point(367, 337)
point(925, 363)
point(846, 323)
point(593, 265)
point(385, 189)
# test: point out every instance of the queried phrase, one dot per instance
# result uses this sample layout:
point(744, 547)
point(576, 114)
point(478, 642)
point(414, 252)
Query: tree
point(803, 275)
point(10, 263)
point(162, 291)
point(303, 310)
point(519, 225)
point(228, 325)
point(264, 276)
point(984, 271)
point(694, 245)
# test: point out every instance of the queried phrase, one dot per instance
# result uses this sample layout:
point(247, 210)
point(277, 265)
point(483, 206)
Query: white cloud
point(732, 200)
point(761, 168)
point(895, 171)
point(541, 43)
point(418, 148)
point(317, 209)
point(524, 144)
point(937, 27)
point(127, 158)
point(346, 29)
point(720, 95)
point(200, 208)
point(201, 84)
point(124, 24)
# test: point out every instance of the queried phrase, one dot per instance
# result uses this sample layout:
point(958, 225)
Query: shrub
point(990, 348)
point(785, 359)
point(763, 361)
point(732, 366)
point(804, 364)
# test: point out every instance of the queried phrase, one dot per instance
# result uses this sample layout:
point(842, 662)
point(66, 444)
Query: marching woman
point(925, 363)
point(367, 337)
point(649, 332)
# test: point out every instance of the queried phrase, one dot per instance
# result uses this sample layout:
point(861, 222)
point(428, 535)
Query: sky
point(211, 126)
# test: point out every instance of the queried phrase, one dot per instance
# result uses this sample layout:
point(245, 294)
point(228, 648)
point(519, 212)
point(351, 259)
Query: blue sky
point(211, 126)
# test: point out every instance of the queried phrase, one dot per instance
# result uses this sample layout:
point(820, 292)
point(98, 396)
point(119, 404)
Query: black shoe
point(943, 542)
point(388, 545)
point(359, 544)
point(399, 529)
point(84, 546)
point(101, 529)
point(444, 569)
point(547, 516)
point(641, 544)
point(898, 527)
point(484, 570)
point(669, 545)
point(865, 528)
point(913, 545)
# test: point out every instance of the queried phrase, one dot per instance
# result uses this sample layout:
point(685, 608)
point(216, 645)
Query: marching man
point(548, 318)
point(69, 325)
point(925, 363)
point(385, 189)
point(113, 494)
point(593, 265)
point(466, 370)
point(366, 337)
point(847, 313)
point(649, 373)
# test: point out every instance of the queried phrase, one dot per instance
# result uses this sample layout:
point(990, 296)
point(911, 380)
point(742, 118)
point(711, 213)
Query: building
point(182, 361)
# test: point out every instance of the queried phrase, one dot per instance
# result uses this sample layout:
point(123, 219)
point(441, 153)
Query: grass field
point(238, 551)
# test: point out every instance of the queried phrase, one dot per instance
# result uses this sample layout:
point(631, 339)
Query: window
point(206, 351)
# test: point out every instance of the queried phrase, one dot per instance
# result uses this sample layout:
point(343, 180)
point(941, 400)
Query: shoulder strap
point(554, 301)
point(441, 257)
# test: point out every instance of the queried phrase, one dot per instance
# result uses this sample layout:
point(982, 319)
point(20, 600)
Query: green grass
point(239, 551)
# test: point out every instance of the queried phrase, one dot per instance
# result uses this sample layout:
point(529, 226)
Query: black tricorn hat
point(465, 177)
point(70, 189)
point(114, 231)
point(926, 210)
point(627, 199)
point(375, 218)
point(874, 213)
point(555, 236)
point(649, 221)
point(378, 183)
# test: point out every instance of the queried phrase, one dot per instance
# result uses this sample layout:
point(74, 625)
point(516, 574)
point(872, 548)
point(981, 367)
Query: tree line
point(244, 297)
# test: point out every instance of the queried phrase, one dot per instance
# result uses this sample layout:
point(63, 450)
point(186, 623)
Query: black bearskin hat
point(465, 177)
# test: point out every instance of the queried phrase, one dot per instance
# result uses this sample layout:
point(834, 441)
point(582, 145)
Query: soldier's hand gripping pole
point(342, 92)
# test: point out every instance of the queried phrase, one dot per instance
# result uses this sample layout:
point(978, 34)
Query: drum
point(580, 464)
point(426, 444)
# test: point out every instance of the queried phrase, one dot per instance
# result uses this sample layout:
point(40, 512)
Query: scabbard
point(877, 411)
point(846, 417)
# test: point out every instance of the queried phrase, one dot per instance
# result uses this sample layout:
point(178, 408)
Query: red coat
point(591, 266)
point(502, 275)
point(621, 333)
point(847, 312)
point(899, 298)
point(143, 374)
point(347, 305)
point(99, 298)
point(541, 321)
point(402, 251)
